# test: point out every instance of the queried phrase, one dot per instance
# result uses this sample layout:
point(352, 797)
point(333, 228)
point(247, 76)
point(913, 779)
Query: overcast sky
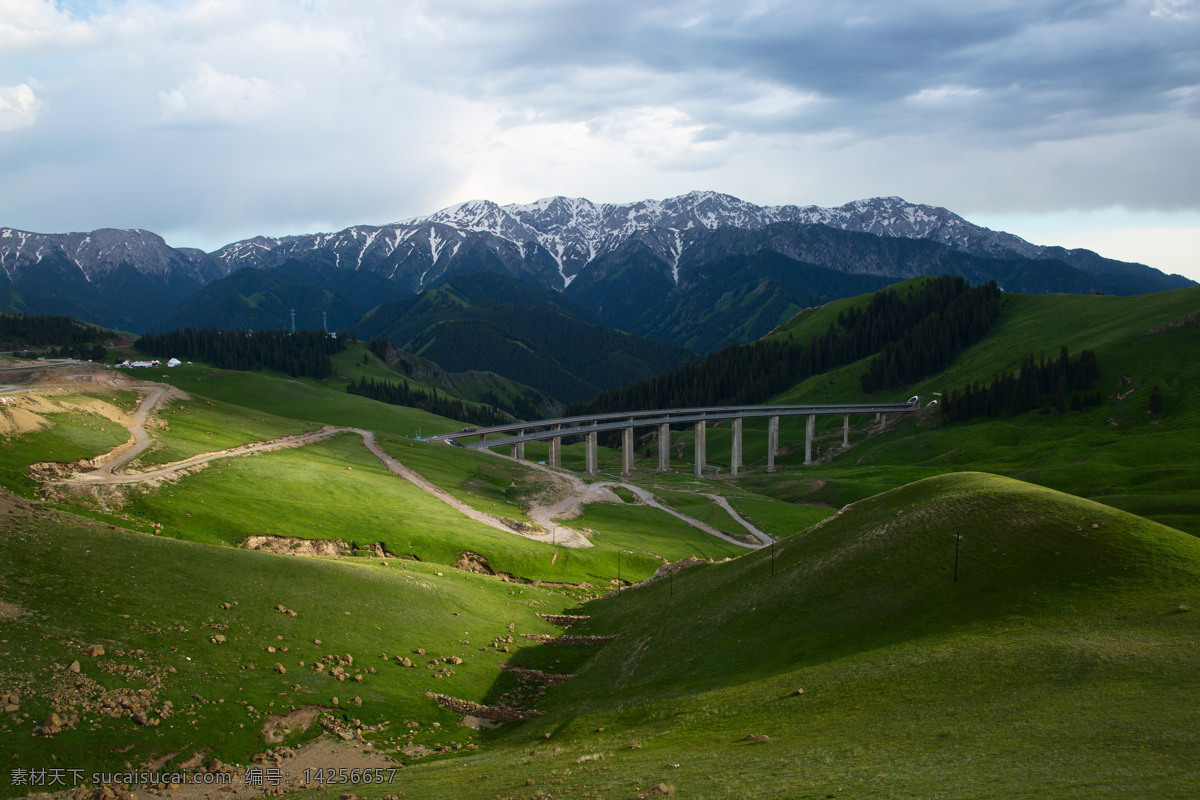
point(1073, 122)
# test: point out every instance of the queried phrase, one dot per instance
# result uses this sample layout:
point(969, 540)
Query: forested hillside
point(485, 321)
point(916, 332)
point(299, 354)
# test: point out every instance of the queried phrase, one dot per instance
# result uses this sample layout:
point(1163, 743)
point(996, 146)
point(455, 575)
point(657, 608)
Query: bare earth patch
point(294, 546)
point(11, 610)
point(278, 726)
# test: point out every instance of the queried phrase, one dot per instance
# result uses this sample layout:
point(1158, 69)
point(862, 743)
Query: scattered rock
point(218, 639)
point(563, 620)
point(53, 724)
point(94, 650)
point(569, 641)
point(74, 667)
point(497, 713)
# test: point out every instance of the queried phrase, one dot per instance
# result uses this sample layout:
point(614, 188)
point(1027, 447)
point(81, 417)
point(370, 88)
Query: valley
point(286, 576)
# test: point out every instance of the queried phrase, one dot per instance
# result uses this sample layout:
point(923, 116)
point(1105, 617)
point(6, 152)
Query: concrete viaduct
point(590, 426)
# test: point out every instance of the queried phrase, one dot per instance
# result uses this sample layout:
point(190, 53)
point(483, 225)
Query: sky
point(1070, 122)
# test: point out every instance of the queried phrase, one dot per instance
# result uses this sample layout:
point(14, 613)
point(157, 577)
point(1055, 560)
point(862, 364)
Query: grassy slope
point(336, 490)
point(191, 427)
point(1117, 453)
point(68, 434)
point(77, 583)
point(1061, 645)
point(1076, 642)
point(470, 387)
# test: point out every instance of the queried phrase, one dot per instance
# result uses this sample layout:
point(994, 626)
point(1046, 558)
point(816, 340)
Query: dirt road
point(570, 492)
point(575, 493)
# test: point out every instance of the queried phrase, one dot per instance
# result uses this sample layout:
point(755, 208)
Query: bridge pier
point(845, 430)
point(626, 451)
point(700, 454)
point(518, 449)
point(555, 459)
point(772, 442)
point(735, 451)
point(591, 454)
point(882, 421)
point(664, 447)
point(810, 428)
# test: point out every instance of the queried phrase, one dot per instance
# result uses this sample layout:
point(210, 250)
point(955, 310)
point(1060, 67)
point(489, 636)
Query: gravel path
point(577, 493)
point(765, 538)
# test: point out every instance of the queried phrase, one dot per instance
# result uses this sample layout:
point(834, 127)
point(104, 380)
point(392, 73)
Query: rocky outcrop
point(496, 713)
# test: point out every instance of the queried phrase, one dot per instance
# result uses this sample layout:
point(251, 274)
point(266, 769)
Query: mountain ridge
point(654, 252)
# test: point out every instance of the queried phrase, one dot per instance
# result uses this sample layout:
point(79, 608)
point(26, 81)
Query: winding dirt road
point(571, 492)
point(577, 493)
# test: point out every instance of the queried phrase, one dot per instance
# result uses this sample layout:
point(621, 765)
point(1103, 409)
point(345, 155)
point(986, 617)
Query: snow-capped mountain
point(657, 267)
point(99, 253)
point(552, 241)
point(121, 279)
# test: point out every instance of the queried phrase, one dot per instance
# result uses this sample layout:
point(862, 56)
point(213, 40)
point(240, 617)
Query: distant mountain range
point(700, 270)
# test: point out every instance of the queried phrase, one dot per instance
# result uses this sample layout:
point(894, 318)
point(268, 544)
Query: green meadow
point(1004, 607)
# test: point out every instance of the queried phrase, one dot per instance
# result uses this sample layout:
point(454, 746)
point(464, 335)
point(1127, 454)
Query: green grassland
point(1117, 453)
point(303, 400)
point(649, 535)
point(69, 433)
point(190, 427)
point(1059, 664)
point(153, 604)
point(357, 362)
point(337, 490)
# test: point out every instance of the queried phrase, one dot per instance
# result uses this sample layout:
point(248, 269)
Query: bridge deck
point(675, 416)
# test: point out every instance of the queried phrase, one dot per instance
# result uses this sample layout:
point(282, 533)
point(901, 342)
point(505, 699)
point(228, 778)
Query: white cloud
point(286, 115)
point(37, 26)
point(1174, 9)
point(944, 94)
point(18, 107)
point(210, 96)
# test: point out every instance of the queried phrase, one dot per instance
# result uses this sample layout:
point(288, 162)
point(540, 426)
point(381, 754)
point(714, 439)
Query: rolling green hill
point(1118, 453)
point(1002, 607)
point(1060, 663)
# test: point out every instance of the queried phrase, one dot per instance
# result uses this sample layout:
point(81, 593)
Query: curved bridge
point(591, 425)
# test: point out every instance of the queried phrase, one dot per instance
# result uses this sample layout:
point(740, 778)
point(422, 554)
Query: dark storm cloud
point(1026, 70)
point(224, 118)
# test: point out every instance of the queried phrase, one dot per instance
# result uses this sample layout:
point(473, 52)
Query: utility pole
point(293, 320)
